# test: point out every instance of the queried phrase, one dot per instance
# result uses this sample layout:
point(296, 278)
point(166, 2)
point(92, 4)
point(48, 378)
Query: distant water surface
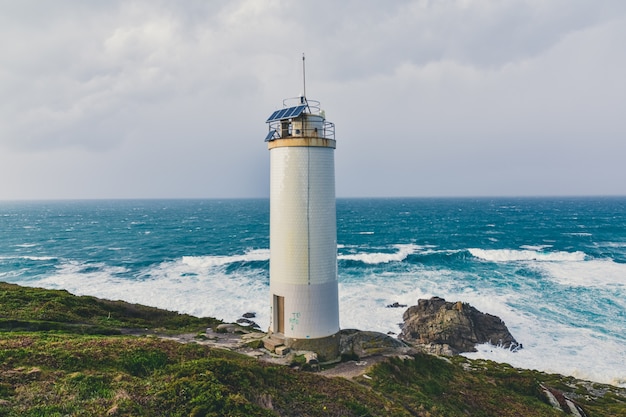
point(554, 269)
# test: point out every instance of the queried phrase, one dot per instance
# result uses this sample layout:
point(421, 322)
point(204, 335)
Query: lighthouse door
point(280, 314)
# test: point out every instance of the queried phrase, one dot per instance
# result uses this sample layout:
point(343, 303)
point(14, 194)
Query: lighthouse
point(304, 300)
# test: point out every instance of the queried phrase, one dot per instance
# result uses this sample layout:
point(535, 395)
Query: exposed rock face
point(365, 343)
point(446, 328)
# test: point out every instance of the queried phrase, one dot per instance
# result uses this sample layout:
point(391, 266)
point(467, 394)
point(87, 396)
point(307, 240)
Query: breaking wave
point(512, 255)
point(372, 258)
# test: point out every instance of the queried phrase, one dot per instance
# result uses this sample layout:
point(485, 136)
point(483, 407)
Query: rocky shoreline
point(433, 326)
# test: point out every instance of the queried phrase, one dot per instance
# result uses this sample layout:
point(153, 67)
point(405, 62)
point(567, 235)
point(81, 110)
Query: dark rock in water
point(249, 315)
point(247, 322)
point(396, 305)
point(447, 328)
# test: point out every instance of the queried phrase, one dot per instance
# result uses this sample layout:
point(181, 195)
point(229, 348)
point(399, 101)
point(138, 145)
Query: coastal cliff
point(66, 355)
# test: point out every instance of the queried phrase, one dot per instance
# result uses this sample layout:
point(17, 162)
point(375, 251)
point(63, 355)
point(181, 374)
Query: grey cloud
point(174, 95)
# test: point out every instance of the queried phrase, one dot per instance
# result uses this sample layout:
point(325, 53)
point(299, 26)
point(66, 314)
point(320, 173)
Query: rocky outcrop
point(444, 328)
point(562, 402)
point(361, 344)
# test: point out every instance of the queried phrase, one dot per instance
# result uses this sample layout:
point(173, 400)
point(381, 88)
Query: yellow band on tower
point(302, 142)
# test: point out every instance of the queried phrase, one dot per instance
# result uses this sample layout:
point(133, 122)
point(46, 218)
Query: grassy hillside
point(34, 309)
point(58, 357)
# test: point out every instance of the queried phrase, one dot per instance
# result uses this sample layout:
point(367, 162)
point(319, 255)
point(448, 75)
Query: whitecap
point(213, 261)
point(372, 258)
point(512, 255)
point(29, 258)
point(612, 244)
point(535, 247)
point(39, 258)
point(592, 273)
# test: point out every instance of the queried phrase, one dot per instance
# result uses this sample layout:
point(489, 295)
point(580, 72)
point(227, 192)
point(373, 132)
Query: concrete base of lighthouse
point(326, 348)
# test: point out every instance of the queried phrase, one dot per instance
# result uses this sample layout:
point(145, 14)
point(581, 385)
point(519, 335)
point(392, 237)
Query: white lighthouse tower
point(303, 229)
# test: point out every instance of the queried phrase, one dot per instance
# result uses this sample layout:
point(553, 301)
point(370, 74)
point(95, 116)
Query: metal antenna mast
point(303, 77)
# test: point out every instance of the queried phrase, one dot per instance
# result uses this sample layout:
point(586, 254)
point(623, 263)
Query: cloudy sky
point(160, 99)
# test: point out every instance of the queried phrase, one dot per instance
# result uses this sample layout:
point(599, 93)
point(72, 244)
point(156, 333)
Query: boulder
point(451, 328)
point(227, 328)
point(366, 343)
point(248, 322)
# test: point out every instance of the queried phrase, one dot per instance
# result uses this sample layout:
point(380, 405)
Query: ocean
point(554, 269)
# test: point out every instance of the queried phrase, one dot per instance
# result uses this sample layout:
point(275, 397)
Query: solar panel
point(281, 114)
point(297, 111)
point(270, 135)
point(289, 112)
point(269, 119)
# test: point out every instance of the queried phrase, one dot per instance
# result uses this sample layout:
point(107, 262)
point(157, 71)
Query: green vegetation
point(34, 309)
point(59, 358)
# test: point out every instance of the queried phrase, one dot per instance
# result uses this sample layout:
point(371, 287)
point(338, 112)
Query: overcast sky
point(161, 99)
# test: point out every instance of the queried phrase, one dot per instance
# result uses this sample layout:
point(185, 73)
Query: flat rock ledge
point(440, 327)
point(363, 344)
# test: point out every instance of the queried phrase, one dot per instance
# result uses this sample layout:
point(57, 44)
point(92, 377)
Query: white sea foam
point(212, 261)
point(512, 255)
point(401, 253)
point(592, 273)
point(535, 247)
point(30, 258)
point(39, 258)
point(612, 244)
point(555, 348)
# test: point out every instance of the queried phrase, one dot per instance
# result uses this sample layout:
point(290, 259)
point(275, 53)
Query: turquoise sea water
point(553, 268)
